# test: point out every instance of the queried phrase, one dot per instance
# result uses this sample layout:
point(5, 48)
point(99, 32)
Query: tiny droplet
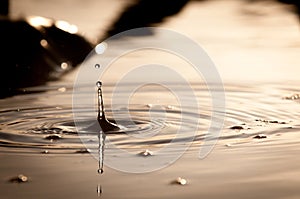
point(64, 65)
point(181, 181)
point(99, 84)
point(97, 66)
point(44, 43)
point(62, 89)
point(100, 171)
point(99, 190)
point(100, 48)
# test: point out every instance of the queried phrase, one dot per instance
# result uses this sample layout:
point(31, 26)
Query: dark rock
point(31, 55)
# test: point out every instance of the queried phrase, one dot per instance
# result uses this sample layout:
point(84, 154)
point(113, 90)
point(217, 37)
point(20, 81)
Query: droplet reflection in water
point(101, 152)
point(99, 190)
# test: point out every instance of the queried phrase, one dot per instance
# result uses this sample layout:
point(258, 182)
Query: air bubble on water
point(146, 153)
point(179, 181)
point(45, 152)
point(292, 97)
point(97, 66)
point(62, 89)
point(19, 179)
point(99, 84)
point(170, 107)
point(149, 105)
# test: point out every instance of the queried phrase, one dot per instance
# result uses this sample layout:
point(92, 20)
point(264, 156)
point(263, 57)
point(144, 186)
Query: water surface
point(256, 154)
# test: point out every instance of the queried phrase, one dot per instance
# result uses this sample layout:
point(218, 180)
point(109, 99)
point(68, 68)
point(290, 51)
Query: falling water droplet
point(64, 65)
point(100, 171)
point(99, 84)
point(97, 66)
point(100, 48)
point(44, 43)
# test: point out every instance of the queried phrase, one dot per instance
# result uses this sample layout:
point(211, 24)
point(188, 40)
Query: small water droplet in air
point(97, 66)
point(64, 65)
point(99, 84)
point(100, 171)
point(44, 43)
point(100, 48)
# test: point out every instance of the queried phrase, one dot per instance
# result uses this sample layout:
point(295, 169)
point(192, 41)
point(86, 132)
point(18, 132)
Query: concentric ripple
point(36, 128)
